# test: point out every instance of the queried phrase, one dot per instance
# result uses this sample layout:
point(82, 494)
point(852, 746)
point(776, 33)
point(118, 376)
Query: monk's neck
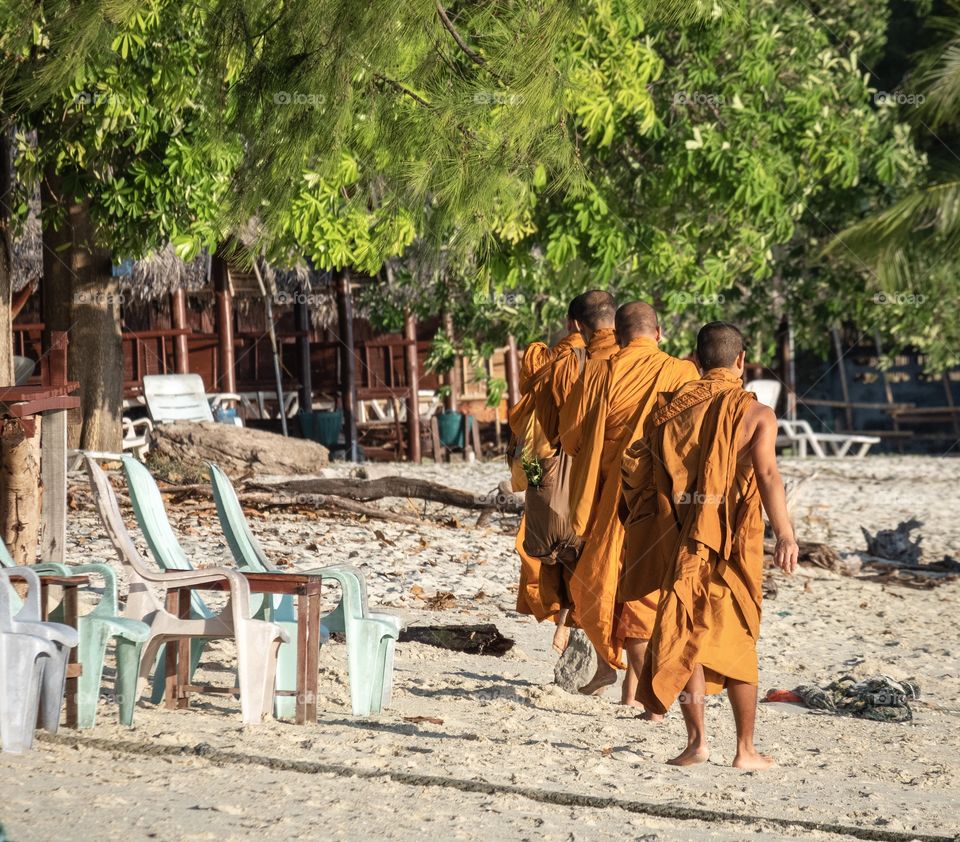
point(729, 374)
point(602, 338)
point(642, 342)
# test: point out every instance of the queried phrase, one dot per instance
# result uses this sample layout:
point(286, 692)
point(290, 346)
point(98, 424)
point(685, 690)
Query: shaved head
point(718, 345)
point(636, 319)
point(594, 309)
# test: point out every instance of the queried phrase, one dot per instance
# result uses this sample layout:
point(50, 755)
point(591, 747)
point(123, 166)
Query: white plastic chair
point(34, 662)
point(767, 391)
point(257, 640)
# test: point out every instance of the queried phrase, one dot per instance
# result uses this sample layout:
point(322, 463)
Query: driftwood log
point(366, 490)
point(478, 639)
point(237, 450)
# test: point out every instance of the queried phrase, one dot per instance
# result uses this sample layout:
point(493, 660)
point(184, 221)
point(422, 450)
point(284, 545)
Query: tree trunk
point(348, 368)
point(20, 491)
point(6, 259)
point(81, 297)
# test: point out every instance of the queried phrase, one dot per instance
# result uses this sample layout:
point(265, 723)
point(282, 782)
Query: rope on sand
point(544, 796)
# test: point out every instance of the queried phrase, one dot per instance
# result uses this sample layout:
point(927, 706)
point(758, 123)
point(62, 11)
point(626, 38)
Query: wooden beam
point(348, 368)
point(413, 385)
point(301, 314)
point(226, 373)
point(513, 372)
point(453, 376)
point(178, 316)
point(788, 367)
point(842, 366)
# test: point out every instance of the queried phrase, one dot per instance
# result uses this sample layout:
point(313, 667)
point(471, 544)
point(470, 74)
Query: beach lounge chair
point(370, 635)
point(181, 397)
point(35, 657)
point(800, 435)
point(257, 640)
point(95, 630)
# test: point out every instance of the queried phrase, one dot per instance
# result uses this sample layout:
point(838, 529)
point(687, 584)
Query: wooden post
point(888, 392)
point(413, 385)
point(20, 512)
point(348, 369)
point(838, 349)
point(788, 367)
point(301, 314)
point(53, 458)
point(453, 377)
point(513, 372)
point(227, 375)
point(178, 315)
point(497, 430)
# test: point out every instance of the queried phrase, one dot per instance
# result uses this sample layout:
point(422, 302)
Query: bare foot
point(752, 760)
point(561, 637)
point(605, 677)
point(650, 716)
point(692, 755)
point(630, 703)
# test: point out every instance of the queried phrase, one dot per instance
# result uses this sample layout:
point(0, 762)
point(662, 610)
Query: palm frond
point(927, 218)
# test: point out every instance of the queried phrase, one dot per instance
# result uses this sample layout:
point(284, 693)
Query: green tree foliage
point(127, 131)
point(907, 251)
point(719, 158)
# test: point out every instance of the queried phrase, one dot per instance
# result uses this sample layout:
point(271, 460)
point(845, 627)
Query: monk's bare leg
point(561, 637)
point(691, 705)
point(604, 677)
point(636, 648)
point(743, 700)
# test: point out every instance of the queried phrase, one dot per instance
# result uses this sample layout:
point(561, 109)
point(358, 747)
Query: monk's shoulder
point(679, 371)
point(756, 418)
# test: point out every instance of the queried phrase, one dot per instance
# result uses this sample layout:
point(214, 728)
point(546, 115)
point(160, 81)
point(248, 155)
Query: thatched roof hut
point(154, 277)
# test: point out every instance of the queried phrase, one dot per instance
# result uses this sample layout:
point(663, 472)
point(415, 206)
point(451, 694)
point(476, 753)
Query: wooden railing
point(381, 370)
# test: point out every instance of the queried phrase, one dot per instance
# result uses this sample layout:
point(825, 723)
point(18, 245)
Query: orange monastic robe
point(697, 511)
point(603, 415)
point(564, 373)
point(540, 588)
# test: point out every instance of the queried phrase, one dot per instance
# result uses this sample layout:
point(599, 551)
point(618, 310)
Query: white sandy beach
point(505, 725)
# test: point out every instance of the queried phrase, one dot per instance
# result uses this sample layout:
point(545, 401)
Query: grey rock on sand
point(577, 664)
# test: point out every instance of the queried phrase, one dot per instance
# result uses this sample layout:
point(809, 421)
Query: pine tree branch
point(475, 57)
point(402, 89)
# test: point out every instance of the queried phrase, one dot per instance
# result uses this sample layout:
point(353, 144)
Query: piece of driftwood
point(365, 490)
point(896, 544)
point(237, 450)
point(320, 501)
point(479, 639)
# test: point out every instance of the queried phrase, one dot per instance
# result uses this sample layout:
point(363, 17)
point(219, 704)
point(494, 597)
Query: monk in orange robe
point(603, 415)
point(540, 592)
point(693, 487)
point(534, 424)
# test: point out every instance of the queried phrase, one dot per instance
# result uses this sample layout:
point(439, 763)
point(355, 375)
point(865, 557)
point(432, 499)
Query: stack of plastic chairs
point(33, 663)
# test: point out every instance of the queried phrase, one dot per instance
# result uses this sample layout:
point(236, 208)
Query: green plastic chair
point(165, 547)
point(95, 629)
point(370, 635)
